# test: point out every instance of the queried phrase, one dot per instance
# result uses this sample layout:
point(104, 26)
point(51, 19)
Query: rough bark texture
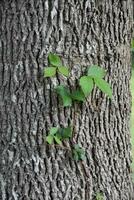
point(82, 32)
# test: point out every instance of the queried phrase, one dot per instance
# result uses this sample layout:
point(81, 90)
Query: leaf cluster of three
point(94, 76)
point(57, 135)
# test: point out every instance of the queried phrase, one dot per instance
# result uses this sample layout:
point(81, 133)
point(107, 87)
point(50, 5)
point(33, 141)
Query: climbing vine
point(94, 77)
point(59, 134)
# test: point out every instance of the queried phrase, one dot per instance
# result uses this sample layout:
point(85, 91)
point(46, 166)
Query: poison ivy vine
point(55, 65)
point(94, 77)
point(59, 134)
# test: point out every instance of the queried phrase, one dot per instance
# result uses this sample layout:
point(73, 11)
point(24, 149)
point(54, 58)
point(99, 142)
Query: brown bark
point(82, 32)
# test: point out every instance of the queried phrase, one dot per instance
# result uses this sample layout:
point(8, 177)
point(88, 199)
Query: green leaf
point(78, 95)
point(58, 141)
point(65, 132)
point(64, 71)
point(65, 95)
point(78, 149)
point(54, 59)
point(49, 139)
point(53, 130)
point(96, 71)
point(86, 84)
point(78, 153)
point(49, 71)
point(103, 86)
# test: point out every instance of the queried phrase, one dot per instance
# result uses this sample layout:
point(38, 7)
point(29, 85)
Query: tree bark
point(82, 33)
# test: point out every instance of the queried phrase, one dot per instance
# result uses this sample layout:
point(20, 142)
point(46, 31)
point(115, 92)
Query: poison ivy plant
point(55, 65)
point(96, 71)
point(78, 153)
point(95, 76)
point(63, 70)
point(65, 133)
point(58, 134)
point(53, 136)
point(68, 97)
point(103, 86)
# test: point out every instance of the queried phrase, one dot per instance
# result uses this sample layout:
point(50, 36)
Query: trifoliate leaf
point(64, 71)
point(96, 71)
point(54, 59)
point(78, 95)
point(103, 86)
point(65, 95)
point(86, 84)
point(49, 71)
point(49, 139)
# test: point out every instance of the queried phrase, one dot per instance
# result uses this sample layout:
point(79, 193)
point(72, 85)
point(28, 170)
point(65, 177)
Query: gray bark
point(83, 33)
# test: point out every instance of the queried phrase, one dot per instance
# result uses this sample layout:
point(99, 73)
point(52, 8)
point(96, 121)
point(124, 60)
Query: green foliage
point(103, 86)
point(68, 97)
point(49, 139)
point(53, 130)
point(96, 71)
point(65, 95)
point(55, 66)
point(94, 76)
point(65, 133)
point(64, 71)
point(54, 60)
point(99, 196)
point(53, 135)
point(49, 71)
point(58, 135)
point(78, 153)
point(86, 84)
point(78, 95)
point(57, 139)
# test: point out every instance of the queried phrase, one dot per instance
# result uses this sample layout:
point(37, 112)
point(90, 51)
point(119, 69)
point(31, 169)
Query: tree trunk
point(82, 33)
